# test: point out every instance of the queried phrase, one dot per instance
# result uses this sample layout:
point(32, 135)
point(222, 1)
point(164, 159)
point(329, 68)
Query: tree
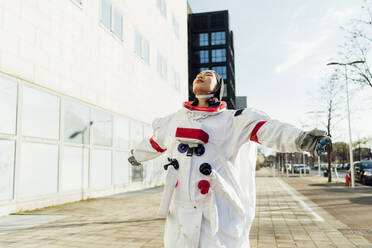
point(330, 101)
point(361, 152)
point(340, 152)
point(357, 45)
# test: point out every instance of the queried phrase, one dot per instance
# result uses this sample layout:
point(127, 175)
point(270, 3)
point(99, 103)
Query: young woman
point(209, 194)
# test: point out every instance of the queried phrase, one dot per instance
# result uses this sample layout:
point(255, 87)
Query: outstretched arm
point(151, 147)
point(257, 126)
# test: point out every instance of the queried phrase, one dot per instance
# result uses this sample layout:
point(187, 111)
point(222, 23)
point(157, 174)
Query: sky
point(281, 52)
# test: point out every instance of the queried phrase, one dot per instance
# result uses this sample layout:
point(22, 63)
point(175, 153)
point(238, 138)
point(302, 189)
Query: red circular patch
point(204, 186)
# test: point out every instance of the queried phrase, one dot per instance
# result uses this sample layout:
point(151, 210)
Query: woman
point(209, 194)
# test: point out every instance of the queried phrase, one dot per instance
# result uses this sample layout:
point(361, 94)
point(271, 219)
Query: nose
point(199, 76)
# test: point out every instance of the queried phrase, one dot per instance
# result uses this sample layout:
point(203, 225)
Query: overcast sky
point(281, 50)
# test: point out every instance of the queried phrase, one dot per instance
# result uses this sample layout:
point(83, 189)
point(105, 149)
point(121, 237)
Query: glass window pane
point(77, 118)
point(136, 132)
point(118, 24)
point(137, 173)
point(138, 44)
point(146, 51)
point(8, 105)
point(221, 70)
point(102, 128)
point(38, 169)
point(204, 56)
point(121, 138)
point(203, 39)
point(71, 174)
point(218, 38)
point(159, 64)
point(121, 167)
point(203, 69)
point(219, 55)
point(6, 169)
point(106, 13)
point(101, 169)
point(164, 69)
point(40, 114)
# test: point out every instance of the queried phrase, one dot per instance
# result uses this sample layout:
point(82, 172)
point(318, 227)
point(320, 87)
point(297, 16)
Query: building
point(241, 102)
point(80, 83)
point(211, 47)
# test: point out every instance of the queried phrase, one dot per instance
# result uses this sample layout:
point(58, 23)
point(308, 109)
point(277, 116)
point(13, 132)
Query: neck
point(202, 102)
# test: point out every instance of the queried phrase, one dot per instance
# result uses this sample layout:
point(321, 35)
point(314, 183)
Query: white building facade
point(80, 83)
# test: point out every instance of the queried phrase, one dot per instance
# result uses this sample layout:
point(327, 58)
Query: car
point(303, 168)
point(363, 171)
point(346, 166)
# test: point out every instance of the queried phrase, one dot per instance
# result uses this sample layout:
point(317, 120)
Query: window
point(38, 169)
point(121, 129)
point(100, 169)
point(203, 69)
point(8, 105)
point(218, 38)
point(112, 19)
point(220, 70)
point(142, 47)
point(40, 114)
point(204, 56)
point(219, 55)
point(203, 39)
point(176, 80)
point(7, 148)
point(162, 67)
point(162, 7)
point(102, 128)
point(176, 26)
point(106, 13)
point(121, 168)
point(77, 118)
point(71, 171)
point(118, 24)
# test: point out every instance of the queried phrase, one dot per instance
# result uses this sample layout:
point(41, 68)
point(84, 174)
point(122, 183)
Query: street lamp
point(348, 115)
point(72, 136)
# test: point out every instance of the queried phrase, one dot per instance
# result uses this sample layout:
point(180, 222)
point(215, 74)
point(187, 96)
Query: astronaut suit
point(209, 194)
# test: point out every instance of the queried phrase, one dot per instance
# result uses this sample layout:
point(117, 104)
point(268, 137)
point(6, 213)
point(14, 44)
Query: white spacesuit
point(209, 197)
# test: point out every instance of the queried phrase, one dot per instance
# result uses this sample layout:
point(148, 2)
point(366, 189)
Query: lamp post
point(348, 115)
point(72, 136)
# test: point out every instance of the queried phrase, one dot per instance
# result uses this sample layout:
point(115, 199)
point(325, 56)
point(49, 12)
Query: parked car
point(303, 168)
point(363, 171)
point(346, 166)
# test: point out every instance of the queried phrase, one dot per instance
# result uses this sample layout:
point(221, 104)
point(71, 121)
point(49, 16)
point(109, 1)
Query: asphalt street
point(351, 206)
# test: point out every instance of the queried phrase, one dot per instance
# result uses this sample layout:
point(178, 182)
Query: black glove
point(315, 141)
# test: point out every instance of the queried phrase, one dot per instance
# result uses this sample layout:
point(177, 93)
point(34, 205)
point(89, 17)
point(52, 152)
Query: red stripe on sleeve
point(255, 130)
point(156, 146)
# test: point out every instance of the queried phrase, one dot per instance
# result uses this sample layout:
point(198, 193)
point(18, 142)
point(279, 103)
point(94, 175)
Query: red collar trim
point(207, 109)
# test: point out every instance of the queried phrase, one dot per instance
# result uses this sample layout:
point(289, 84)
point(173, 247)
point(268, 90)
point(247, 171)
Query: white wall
point(62, 48)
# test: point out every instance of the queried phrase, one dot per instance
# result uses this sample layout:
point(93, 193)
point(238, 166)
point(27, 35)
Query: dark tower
point(211, 47)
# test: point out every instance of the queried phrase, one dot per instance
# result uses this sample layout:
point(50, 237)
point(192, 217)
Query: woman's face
point(204, 83)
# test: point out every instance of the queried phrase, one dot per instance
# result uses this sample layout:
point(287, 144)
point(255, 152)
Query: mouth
point(199, 81)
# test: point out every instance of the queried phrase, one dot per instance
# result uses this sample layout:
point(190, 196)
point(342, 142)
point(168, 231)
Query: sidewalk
point(284, 218)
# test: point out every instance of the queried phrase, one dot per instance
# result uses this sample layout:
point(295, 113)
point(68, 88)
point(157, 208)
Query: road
point(352, 207)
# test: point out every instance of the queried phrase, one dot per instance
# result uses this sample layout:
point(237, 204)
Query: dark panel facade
point(211, 47)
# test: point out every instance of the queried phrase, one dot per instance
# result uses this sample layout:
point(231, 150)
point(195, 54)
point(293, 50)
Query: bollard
point(347, 180)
